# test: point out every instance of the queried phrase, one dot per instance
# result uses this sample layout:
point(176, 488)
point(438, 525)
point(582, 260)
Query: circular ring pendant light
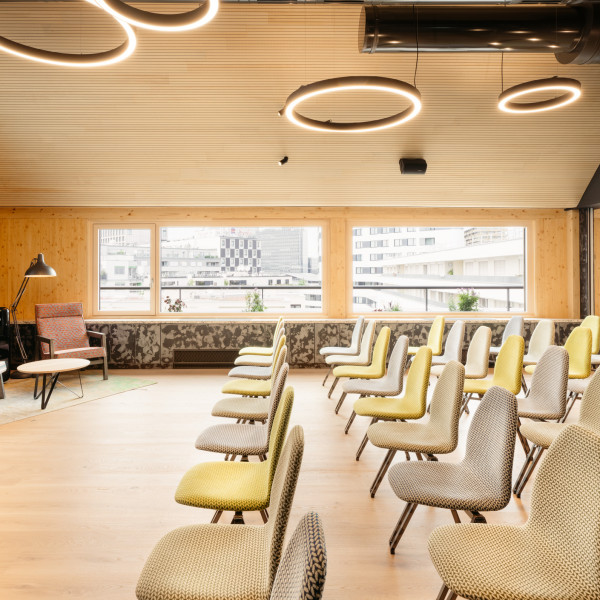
point(342, 84)
point(96, 59)
point(161, 22)
point(508, 101)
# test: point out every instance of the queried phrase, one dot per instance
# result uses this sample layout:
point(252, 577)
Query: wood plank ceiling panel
point(191, 119)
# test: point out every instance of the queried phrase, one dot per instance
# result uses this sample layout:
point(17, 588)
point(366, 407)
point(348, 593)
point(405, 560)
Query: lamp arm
point(13, 306)
point(13, 314)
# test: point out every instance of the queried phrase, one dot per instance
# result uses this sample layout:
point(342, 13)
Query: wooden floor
point(86, 492)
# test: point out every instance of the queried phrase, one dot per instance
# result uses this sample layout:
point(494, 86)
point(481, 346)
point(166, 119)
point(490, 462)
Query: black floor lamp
point(37, 268)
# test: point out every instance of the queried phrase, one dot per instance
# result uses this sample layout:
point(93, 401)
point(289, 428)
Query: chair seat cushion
point(500, 562)
point(239, 439)
point(389, 408)
point(339, 359)
point(443, 485)
point(208, 562)
point(494, 350)
point(411, 437)
point(226, 485)
point(596, 359)
point(254, 360)
point(257, 350)
point(256, 409)
point(532, 410)
point(572, 374)
point(251, 372)
point(384, 386)
point(541, 433)
point(248, 387)
point(336, 350)
point(578, 386)
point(87, 352)
point(367, 372)
point(477, 386)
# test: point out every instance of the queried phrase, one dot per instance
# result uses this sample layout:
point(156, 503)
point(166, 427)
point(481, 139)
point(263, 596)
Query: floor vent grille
point(197, 359)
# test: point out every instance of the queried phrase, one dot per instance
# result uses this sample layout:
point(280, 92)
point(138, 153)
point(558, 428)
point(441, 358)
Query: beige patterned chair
point(480, 482)
point(542, 433)
point(351, 350)
point(452, 349)
point(541, 338)
point(515, 326)
point(226, 562)
point(554, 556)
point(255, 372)
point(438, 435)
point(303, 568)
point(258, 360)
point(389, 385)
point(244, 439)
point(478, 354)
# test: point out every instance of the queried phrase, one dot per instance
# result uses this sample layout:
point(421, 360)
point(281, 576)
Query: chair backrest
point(277, 337)
point(303, 568)
point(380, 350)
point(355, 341)
point(589, 411)
point(508, 370)
point(592, 322)
point(282, 495)
point(478, 353)
point(454, 341)
point(366, 343)
point(63, 323)
point(490, 444)
point(579, 347)
point(515, 326)
point(278, 431)
point(548, 388)
point(277, 329)
point(397, 366)
point(436, 335)
point(277, 392)
point(446, 403)
point(417, 380)
point(564, 505)
point(278, 359)
point(541, 338)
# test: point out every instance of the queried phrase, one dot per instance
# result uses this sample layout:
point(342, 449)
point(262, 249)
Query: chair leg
point(446, 594)
point(522, 438)
point(524, 468)
point(402, 524)
point(238, 518)
point(532, 464)
point(35, 388)
point(264, 514)
point(105, 368)
point(524, 385)
point(476, 517)
point(364, 440)
point(340, 402)
point(216, 516)
point(327, 375)
point(385, 465)
point(333, 387)
point(570, 402)
point(455, 516)
point(465, 405)
point(350, 421)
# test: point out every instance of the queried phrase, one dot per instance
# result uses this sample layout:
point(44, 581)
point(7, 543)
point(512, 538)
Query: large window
point(209, 269)
point(439, 269)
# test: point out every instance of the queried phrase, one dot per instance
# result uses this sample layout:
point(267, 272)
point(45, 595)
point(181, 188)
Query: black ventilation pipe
point(571, 33)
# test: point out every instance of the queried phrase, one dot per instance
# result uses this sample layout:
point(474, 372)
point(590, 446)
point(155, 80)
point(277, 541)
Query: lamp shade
point(39, 268)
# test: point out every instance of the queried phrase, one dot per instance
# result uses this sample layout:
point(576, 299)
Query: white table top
point(53, 365)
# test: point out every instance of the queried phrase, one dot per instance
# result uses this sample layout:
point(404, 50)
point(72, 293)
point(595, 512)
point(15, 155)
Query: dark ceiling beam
point(591, 196)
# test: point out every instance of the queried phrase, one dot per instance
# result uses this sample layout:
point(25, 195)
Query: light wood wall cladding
point(64, 236)
point(191, 118)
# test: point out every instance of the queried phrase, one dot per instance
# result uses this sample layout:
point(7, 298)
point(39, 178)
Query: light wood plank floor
point(86, 492)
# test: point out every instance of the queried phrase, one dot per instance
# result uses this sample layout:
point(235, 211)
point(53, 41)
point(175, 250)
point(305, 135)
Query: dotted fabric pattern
point(376, 370)
point(354, 342)
point(226, 562)
point(303, 568)
point(256, 409)
point(555, 555)
point(478, 354)
point(482, 480)
point(439, 435)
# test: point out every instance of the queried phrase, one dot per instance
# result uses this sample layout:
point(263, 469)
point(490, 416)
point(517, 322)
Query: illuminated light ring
point(96, 59)
point(570, 87)
point(342, 84)
point(161, 22)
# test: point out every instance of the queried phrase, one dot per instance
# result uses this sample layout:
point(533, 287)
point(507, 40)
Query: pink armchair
point(62, 334)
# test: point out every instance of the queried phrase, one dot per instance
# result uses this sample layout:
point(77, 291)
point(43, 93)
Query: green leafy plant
point(467, 300)
point(254, 302)
point(176, 305)
point(390, 307)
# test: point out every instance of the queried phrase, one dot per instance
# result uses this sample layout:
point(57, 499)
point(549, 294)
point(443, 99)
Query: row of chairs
point(238, 561)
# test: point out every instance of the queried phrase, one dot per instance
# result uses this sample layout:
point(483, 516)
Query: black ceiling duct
point(572, 33)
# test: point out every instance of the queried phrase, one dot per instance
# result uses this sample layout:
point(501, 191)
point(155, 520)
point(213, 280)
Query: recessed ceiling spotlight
point(534, 39)
point(282, 161)
point(571, 88)
point(495, 43)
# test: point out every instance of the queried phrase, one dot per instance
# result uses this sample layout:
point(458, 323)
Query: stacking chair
point(376, 370)
point(237, 486)
point(439, 435)
point(256, 372)
point(261, 350)
point(351, 350)
point(547, 396)
point(507, 372)
point(244, 439)
point(389, 385)
point(541, 338)
point(411, 405)
point(554, 556)
point(452, 350)
point(303, 566)
point(363, 358)
point(226, 562)
point(480, 482)
point(542, 433)
point(251, 408)
point(255, 387)
point(478, 354)
point(515, 326)
point(592, 322)
point(257, 360)
point(434, 339)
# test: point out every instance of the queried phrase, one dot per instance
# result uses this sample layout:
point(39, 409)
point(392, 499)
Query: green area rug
point(20, 404)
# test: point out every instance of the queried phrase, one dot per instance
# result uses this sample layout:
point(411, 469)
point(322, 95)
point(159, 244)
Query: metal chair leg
point(350, 421)
point(522, 438)
point(445, 594)
point(523, 469)
point(524, 385)
point(238, 518)
point(333, 387)
point(455, 516)
point(570, 402)
point(265, 515)
point(385, 465)
point(340, 402)
point(105, 368)
point(527, 475)
point(402, 524)
point(216, 516)
point(476, 517)
point(364, 440)
point(327, 375)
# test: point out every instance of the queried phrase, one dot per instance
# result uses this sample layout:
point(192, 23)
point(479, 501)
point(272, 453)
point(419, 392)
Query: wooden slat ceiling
point(191, 119)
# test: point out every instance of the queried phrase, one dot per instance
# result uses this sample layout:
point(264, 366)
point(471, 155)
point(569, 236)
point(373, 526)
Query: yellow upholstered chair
point(256, 387)
point(238, 486)
point(434, 339)
point(411, 405)
point(260, 350)
point(592, 322)
point(257, 360)
point(376, 370)
point(507, 372)
point(256, 372)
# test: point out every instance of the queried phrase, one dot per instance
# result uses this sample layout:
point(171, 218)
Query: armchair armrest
point(98, 335)
point(50, 341)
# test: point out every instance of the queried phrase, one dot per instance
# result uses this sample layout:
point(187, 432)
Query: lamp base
point(18, 375)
